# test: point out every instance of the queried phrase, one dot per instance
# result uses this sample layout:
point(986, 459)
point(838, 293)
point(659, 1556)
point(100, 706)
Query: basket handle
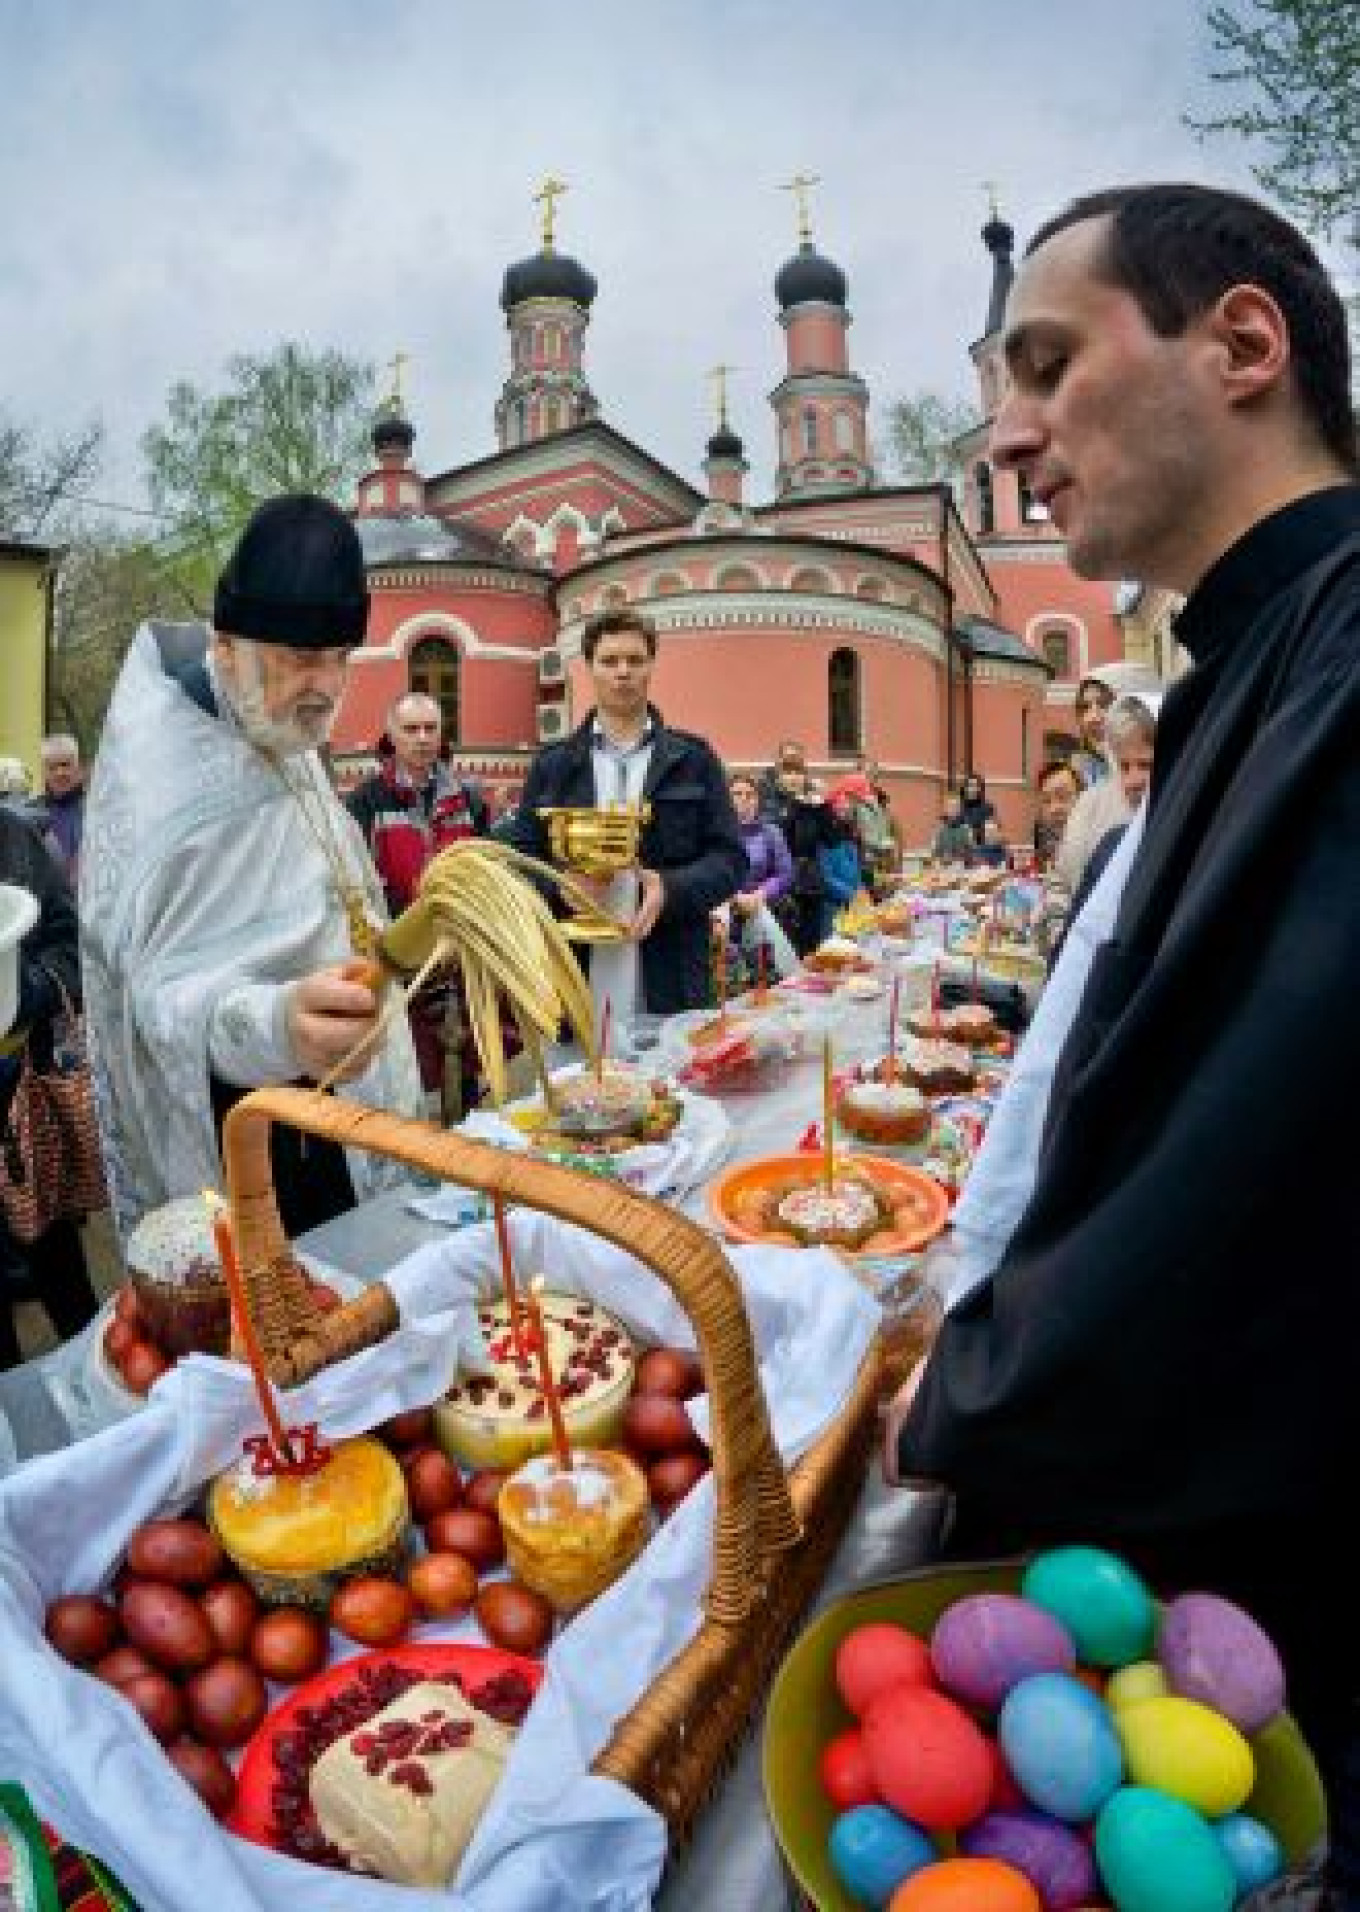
point(755, 1516)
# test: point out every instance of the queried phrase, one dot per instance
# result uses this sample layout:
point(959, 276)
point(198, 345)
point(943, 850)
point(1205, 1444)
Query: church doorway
point(434, 668)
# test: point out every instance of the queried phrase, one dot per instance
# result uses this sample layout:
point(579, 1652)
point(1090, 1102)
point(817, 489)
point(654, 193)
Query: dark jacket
point(691, 839)
point(49, 956)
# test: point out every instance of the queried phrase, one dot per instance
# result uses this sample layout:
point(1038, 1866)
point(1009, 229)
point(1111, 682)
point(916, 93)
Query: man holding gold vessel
point(689, 851)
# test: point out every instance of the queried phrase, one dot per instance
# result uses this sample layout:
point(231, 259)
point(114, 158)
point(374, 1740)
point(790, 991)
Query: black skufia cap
point(296, 577)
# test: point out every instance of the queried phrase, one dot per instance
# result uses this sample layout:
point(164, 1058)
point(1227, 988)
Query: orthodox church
point(934, 634)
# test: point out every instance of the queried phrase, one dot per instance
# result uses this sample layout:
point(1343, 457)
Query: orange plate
point(895, 1178)
point(252, 1815)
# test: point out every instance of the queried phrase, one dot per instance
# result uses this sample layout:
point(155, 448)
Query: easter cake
point(886, 1112)
point(177, 1277)
point(571, 1531)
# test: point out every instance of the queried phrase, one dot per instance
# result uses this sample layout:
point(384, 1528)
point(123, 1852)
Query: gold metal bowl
point(597, 842)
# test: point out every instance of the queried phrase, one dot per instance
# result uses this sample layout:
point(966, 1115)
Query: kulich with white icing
point(495, 1416)
point(842, 1216)
point(939, 1068)
point(570, 1532)
point(172, 1260)
point(887, 1112)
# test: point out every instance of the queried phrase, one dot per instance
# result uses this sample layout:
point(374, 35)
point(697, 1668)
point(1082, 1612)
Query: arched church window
point(809, 578)
point(843, 712)
point(669, 584)
point(845, 432)
point(1031, 511)
point(1057, 649)
point(986, 506)
point(872, 588)
point(434, 667)
point(737, 577)
point(521, 421)
point(809, 431)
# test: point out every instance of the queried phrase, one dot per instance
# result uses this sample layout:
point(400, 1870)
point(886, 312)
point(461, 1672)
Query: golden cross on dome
point(993, 209)
point(399, 362)
point(718, 374)
point(550, 191)
point(798, 186)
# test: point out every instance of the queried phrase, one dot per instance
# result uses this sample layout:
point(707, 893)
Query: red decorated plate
point(252, 1816)
point(920, 1204)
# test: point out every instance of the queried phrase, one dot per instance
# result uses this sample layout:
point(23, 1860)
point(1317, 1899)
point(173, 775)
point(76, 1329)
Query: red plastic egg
point(928, 1759)
point(875, 1657)
point(844, 1771)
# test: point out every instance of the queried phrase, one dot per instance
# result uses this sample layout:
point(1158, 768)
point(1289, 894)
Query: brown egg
point(443, 1583)
point(483, 1489)
point(207, 1772)
point(81, 1627)
point(170, 1627)
point(123, 1664)
point(226, 1701)
point(289, 1644)
point(672, 1371)
point(142, 1366)
point(160, 1703)
point(514, 1617)
point(373, 1610)
point(408, 1430)
point(465, 1531)
point(232, 1611)
point(669, 1480)
point(657, 1424)
point(433, 1484)
point(181, 1552)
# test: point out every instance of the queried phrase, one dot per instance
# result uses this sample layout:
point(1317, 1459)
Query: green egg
point(1098, 1598)
point(1140, 1680)
point(1157, 1854)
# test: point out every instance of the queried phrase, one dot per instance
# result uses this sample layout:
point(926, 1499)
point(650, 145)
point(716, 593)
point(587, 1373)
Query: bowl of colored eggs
point(1036, 1736)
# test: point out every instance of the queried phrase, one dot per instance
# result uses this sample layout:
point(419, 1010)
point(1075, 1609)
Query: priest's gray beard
point(306, 726)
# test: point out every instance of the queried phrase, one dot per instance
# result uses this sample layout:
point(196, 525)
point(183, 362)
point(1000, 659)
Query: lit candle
point(828, 1115)
point(508, 1278)
point(892, 1028)
point(236, 1288)
point(545, 1375)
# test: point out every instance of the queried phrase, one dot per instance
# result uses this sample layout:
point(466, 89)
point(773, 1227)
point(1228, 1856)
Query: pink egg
point(875, 1657)
point(928, 1759)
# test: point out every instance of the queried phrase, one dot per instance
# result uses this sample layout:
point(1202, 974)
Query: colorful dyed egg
point(875, 1657)
point(1189, 1751)
point(1060, 1743)
point(1251, 1849)
point(844, 1771)
point(966, 1885)
point(927, 1758)
point(1140, 1680)
point(1156, 1854)
point(872, 1850)
point(1099, 1599)
point(1212, 1651)
point(987, 1643)
point(1057, 1861)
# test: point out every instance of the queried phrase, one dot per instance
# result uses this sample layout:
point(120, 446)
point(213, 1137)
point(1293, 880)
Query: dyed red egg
point(844, 1771)
point(928, 1758)
point(877, 1656)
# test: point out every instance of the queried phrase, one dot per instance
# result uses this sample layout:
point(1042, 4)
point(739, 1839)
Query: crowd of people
point(1148, 1333)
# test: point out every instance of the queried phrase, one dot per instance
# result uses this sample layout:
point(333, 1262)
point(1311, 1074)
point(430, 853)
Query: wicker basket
point(775, 1531)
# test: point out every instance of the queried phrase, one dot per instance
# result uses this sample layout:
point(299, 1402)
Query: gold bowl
point(597, 842)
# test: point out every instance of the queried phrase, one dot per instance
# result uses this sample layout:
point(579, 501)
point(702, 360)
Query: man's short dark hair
point(612, 623)
point(1177, 248)
point(1060, 767)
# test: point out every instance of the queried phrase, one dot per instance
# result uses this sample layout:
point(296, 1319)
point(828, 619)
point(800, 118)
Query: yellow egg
point(1140, 1680)
point(1186, 1749)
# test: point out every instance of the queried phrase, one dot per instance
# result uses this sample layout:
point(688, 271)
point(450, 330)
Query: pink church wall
point(816, 343)
point(1007, 752)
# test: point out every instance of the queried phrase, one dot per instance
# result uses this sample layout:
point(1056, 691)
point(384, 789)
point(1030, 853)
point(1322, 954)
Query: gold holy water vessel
point(595, 843)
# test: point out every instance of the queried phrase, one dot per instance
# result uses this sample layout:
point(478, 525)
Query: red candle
point(236, 1288)
point(553, 1399)
point(508, 1278)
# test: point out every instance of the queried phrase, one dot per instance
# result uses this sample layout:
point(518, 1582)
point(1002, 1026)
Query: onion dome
point(548, 275)
point(809, 277)
point(392, 430)
point(725, 444)
point(998, 237)
point(415, 538)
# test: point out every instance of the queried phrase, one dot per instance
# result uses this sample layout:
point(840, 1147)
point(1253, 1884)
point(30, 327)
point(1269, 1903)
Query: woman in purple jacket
point(771, 873)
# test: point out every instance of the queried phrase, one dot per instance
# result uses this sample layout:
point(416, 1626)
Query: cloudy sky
point(181, 180)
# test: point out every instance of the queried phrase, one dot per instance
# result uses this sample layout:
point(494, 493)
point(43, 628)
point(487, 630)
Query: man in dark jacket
point(1163, 1357)
point(691, 856)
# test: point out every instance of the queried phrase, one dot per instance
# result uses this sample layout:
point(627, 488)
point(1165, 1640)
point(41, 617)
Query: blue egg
point(873, 1849)
point(1251, 1849)
point(1061, 1745)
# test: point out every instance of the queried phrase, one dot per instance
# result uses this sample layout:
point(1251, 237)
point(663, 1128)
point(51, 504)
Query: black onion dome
point(809, 277)
point(999, 238)
point(548, 275)
point(392, 431)
point(725, 444)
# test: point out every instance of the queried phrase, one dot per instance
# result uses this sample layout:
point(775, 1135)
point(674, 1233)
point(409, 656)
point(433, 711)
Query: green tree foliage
point(1296, 67)
point(42, 481)
point(923, 435)
point(292, 421)
point(106, 587)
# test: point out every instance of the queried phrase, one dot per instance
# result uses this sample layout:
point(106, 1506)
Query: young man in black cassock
point(1164, 1358)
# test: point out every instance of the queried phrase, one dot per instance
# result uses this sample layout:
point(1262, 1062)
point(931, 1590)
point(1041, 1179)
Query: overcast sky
point(181, 180)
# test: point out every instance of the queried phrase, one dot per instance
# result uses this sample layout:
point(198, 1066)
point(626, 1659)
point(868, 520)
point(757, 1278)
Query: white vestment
point(204, 894)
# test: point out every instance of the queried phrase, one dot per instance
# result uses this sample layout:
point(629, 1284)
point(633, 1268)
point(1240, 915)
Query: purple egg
point(1214, 1652)
point(1057, 1861)
point(986, 1643)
